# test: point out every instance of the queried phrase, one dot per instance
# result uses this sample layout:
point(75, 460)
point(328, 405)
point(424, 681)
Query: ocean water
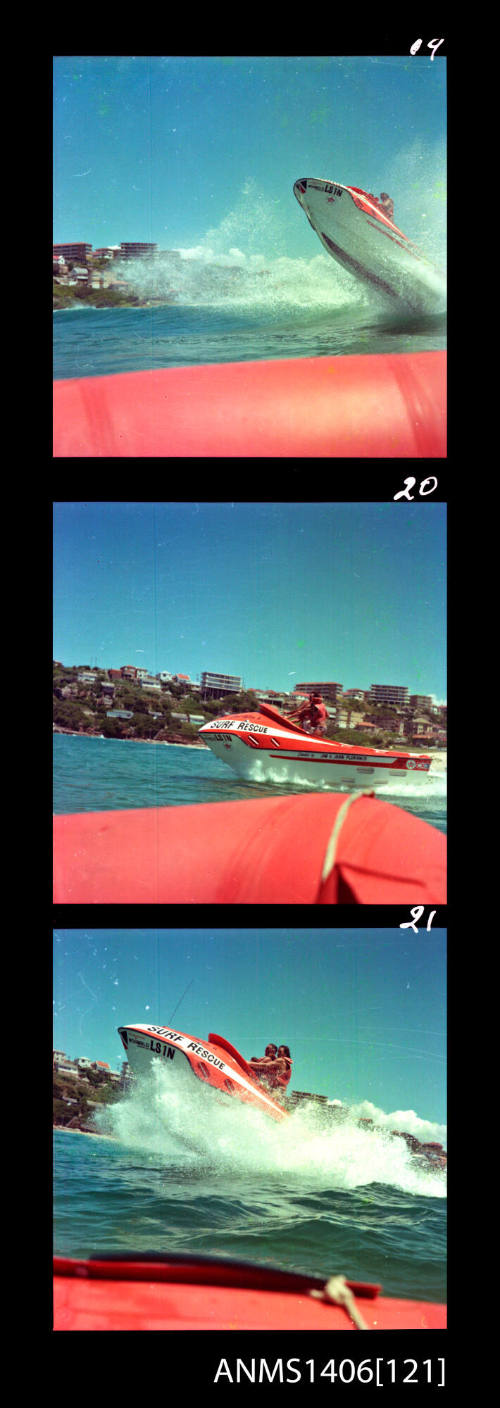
point(214, 1177)
point(103, 774)
point(320, 320)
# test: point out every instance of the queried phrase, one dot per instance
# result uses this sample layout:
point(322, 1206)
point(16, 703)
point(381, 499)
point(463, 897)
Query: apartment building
point(79, 252)
point(216, 686)
point(388, 694)
point(329, 689)
point(136, 250)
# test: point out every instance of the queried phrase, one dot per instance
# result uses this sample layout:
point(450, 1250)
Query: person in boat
point(312, 712)
point(387, 204)
point(284, 1055)
point(274, 1069)
point(263, 1062)
point(384, 203)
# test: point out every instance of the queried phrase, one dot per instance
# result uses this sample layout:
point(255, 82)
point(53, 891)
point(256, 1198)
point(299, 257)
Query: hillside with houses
point(131, 703)
point(80, 1087)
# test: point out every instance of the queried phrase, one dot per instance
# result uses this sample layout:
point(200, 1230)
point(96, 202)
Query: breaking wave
point(199, 1127)
point(204, 277)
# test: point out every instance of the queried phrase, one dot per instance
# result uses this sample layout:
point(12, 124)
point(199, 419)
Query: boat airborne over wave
point(267, 747)
point(214, 1062)
point(357, 232)
point(218, 1064)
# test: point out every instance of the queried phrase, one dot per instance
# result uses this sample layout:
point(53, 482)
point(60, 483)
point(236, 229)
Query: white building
point(217, 685)
point(388, 694)
point(149, 682)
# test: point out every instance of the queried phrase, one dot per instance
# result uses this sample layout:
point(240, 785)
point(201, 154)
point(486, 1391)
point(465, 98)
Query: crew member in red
point(313, 711)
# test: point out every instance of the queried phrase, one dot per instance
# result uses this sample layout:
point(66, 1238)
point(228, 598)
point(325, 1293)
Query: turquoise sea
point(103, 774)
point(101, 342)
point(178, 1177)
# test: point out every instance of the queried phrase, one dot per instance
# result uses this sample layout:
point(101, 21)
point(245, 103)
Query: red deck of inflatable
point(385, 405)
point(100, 1295)
point(253, 852)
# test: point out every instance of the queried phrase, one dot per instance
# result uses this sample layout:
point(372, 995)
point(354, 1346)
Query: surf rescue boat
point(356, 231)
point(214, 1062)
point(267, 747)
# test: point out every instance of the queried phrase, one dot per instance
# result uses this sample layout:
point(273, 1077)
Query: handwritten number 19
point(433, 44)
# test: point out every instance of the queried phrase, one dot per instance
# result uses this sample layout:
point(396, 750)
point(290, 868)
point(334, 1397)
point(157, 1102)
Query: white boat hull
point(315, 770)
point(357, 235)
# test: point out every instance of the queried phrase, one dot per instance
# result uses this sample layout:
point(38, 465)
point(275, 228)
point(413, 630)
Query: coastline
point(101, 307)
point(160, 742)
point(92, 1133)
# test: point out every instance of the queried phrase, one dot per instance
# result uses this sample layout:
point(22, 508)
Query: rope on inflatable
point(331, 850)
point(337, 1292)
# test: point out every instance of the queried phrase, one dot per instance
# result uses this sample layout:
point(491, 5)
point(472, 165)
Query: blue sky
point(363, 1012)
point(274, 593)
point(203, 152)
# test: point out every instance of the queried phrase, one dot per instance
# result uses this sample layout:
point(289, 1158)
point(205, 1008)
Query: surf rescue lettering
point(252, 728)
point(164, 1031)
point(207, 1055)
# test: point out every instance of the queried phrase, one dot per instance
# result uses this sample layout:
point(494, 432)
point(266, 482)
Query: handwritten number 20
point(426, 486)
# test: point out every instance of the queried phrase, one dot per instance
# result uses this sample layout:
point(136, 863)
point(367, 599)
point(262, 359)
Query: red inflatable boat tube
point(380, 406)
point(314, 849)
point(131, 1294)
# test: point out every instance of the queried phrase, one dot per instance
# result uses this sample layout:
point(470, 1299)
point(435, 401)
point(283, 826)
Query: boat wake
point(422, 787)
point(197, 1129)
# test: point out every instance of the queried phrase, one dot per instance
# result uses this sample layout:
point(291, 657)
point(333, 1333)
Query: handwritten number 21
point(416, 914)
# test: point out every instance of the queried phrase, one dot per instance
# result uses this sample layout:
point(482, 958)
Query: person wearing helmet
point(312, 712)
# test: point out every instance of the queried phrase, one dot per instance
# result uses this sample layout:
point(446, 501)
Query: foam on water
point(191, 1124)
point(205, 277)
point(243, 262)
point(422, 786)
